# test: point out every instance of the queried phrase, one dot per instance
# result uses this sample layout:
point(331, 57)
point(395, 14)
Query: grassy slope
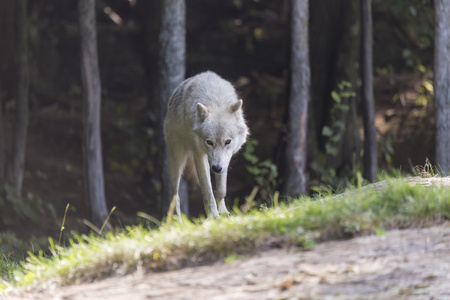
point(396, 205)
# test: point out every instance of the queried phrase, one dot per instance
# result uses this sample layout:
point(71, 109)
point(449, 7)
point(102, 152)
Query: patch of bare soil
point(403, 264)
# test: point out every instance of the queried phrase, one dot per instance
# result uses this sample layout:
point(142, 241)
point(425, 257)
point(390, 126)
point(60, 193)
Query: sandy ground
point(402, 264)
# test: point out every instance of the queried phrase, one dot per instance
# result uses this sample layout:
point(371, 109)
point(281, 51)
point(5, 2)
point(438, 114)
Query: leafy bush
point(263, 173)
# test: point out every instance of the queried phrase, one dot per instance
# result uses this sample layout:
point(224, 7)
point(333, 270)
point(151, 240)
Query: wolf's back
point(209, 89)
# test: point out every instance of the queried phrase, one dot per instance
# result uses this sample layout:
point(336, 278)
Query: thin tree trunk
point(442, 84)
point(2, 144)
point(7, 67)
point(370, 139)
point(92, 148)
point(21, 120)
point(172, 61)
point(298, 103)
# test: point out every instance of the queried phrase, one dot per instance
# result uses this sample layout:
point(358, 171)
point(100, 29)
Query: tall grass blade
point(62, 225)
point(148, 217)
point(91, 226)
point(107, 218)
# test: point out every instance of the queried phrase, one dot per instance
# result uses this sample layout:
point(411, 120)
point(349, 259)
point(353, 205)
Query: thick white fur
point(204, 126)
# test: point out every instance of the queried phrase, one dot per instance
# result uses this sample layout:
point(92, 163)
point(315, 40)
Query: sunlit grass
point(301, 223)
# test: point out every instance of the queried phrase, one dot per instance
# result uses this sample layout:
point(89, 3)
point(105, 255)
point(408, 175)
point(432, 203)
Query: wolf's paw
point(214, 214)
point(211, 217)
point(224, 213)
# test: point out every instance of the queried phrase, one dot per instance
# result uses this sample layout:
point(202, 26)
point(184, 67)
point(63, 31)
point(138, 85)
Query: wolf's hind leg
point(220, 191)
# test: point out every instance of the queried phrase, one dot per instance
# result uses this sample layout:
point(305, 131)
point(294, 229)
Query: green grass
point(7, 267)
point(303, 222)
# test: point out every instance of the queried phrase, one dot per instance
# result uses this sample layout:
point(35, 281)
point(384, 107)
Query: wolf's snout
point(216, 169)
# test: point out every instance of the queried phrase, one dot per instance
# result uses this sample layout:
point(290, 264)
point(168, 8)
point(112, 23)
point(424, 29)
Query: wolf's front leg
point(204, 177)
point(220, 191)
point(175, 199)
point(176, 163)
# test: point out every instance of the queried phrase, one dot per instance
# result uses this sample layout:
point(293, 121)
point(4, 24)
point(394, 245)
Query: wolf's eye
point(209, 142)
point(227, 142)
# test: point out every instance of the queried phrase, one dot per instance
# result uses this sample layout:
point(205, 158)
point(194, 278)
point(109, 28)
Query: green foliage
point(425, 93)
point(396, 204)
point(334, 133)
point(7, 267)
point(263, 173)
point(413, 24)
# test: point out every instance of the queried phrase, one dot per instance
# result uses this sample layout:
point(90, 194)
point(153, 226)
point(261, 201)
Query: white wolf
point(203, 128)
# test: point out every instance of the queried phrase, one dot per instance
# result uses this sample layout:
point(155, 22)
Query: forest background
point(246, 42)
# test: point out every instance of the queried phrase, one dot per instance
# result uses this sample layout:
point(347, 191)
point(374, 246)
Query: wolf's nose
point(216, 169)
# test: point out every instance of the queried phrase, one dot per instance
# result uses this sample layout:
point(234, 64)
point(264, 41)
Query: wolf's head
point(220, 133)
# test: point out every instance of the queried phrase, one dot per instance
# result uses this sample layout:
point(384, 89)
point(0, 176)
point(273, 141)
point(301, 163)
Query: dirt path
point(403, 264)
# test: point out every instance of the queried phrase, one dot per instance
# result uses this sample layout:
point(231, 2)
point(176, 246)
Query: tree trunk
point(3, 166)
point(370, 138)
point(334, 38)
point(21, 120)
point(442, 84)
point(298, 102)
point(7, 74)
point(92, 148)
point(172, 61)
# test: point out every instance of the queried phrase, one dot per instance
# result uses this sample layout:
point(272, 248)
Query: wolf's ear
point(202, 112)
point(235, 107)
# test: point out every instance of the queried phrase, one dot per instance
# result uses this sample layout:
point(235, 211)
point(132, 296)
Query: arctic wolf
point(203, 128)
